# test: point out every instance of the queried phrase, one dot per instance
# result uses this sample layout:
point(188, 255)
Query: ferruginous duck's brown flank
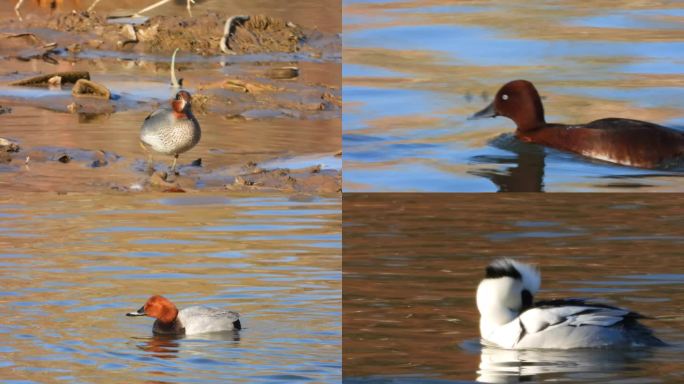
point(623, 141)
point(171, 132)
point(191, 320)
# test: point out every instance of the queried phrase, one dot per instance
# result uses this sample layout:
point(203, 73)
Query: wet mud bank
point(66, 170)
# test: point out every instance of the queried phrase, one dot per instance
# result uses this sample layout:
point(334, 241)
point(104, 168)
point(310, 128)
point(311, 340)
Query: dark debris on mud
point(249, 178)
point(11, 151)
point(8, 145)
point(7, 148)
point(46, 80)
point(306, 180)
point(55, 161)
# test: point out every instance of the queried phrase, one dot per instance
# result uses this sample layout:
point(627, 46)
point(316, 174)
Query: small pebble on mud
point(55, 82)
point(74, 48)
point(8, 145)
point(101, 160)
point(89, 88)
point(283, 73)
point(65, 158)
point(332, 99)
point(136, 188)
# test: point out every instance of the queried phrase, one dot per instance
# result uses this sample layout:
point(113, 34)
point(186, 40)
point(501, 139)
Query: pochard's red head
point(158, 307)
point(181, 103)
point(519, 101)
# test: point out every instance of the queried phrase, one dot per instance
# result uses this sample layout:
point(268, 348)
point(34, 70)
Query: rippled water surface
point(72, 266)
point(415, 70)
point(412, 263)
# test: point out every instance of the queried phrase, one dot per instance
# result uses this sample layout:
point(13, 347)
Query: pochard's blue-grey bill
point(487, 112)
point(139, 312)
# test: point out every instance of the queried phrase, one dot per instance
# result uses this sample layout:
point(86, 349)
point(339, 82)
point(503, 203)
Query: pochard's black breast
point(175, 328)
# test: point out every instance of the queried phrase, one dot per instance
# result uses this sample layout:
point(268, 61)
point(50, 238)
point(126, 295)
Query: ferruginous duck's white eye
point(504, 97)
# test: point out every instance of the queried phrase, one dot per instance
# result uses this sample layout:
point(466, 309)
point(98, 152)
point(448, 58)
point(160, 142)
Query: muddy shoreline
point(40, 164)
point(277, 72)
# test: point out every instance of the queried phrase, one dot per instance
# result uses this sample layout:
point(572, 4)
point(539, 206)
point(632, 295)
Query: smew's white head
point(507, 289)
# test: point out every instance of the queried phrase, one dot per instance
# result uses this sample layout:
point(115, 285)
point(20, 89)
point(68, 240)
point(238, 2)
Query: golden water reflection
point(74, 265)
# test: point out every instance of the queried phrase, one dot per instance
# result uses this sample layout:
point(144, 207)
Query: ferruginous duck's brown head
point(519, 101)
point(181, 103)
point(158, 307)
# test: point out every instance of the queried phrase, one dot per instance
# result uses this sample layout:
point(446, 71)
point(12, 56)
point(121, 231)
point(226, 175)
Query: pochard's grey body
point(172, 131)
point(188, 321)
point(509, 319)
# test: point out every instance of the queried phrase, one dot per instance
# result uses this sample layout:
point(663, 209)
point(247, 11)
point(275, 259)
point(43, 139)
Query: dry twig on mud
point(93, 5)
point(137, 14)
point(32, 36)
point(229, 30)
point(160, 3)
point(174, 82)
point(16, 9)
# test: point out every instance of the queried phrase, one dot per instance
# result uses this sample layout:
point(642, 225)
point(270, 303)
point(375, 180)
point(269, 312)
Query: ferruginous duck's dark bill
point(621, 141)
point(485, 113)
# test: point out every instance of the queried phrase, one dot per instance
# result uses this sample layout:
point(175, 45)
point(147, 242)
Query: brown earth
point(199, 35)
